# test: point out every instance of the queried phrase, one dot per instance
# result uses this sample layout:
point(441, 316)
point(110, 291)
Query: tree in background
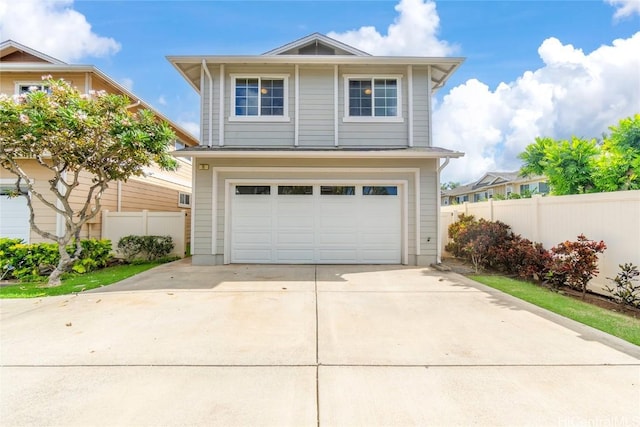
point(449, 185)
point(567, 164)
point(618, 166)
point(582, 166)
point(82, 141)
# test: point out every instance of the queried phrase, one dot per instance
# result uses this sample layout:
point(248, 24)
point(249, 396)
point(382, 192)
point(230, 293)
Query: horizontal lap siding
point(428, 209)
point(203, 226)
point(316, 121)
point(421, 116)
point(373, 134)
point(258, 133)
point(203, 220)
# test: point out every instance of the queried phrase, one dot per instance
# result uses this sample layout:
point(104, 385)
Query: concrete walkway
point(306, 346)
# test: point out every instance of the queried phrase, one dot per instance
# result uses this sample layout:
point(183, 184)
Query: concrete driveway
point(306, 346)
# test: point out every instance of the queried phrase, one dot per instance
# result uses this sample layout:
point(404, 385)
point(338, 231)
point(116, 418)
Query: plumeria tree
point(83, 142)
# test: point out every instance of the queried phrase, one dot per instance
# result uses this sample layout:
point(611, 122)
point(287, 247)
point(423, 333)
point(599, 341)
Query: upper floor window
point(26, 87)
point(260, 97)
point(373, 98)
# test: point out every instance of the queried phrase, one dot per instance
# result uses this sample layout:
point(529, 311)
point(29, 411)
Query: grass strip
point(616, 324)
point(74, 283)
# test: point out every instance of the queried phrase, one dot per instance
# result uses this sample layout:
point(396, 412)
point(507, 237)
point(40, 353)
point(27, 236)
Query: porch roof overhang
point(314, 153)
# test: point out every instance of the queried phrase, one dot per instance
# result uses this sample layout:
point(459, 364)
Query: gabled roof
point(12, 51)
point(495, 178)
point(191, 66)
point(50, 65)
point(491, 179)
point(319, 41)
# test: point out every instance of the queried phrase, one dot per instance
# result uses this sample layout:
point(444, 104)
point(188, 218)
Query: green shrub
point(627, 288)
point(19, 260)
point(149, 248)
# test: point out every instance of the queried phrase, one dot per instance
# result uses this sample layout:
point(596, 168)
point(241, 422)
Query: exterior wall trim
point(222, 169)
point(404, 205)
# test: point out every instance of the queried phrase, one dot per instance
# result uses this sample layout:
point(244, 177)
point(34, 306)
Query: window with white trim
point(260, 97)
point(184, 200)
point(26, 87)
point(373, 98)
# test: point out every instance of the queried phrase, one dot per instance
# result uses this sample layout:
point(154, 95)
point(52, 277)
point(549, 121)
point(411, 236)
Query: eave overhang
point(21, 67)
point(336, 153)
point(189, 66)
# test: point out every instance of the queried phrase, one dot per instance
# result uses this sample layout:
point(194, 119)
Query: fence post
point(491, 209)
point(145, 222)
point(535, 200)
point(105, 223)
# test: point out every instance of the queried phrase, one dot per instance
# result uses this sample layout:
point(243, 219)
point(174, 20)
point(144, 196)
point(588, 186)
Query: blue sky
point(523, 58)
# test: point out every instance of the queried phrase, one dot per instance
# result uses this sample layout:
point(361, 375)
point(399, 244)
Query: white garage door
point(14, 217)
point(324, 224)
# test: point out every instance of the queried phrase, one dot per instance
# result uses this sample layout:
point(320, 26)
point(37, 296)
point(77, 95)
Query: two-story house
point(316, 152)
point(21, 69)
point(498, 185)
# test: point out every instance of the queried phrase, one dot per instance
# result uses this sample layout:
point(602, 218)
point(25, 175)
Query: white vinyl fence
point(612, 217)
point(116, 225)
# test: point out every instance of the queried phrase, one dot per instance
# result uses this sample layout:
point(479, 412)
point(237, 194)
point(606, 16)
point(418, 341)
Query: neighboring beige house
point(495, 185)
point(316, 153)
point(22, 67)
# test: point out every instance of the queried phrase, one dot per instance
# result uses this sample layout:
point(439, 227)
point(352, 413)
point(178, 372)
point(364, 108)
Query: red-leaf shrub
point(522, 257)
point(574, 264)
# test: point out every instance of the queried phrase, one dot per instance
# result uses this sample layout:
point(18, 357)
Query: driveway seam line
point(336, 365)
point(315, 286)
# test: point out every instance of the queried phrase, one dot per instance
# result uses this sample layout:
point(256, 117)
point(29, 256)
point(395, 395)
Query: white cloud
point(572, 94)
point(54, 28)
point(625, 8)
point(127, 83)
point(414, 32)
point(192, 127)
point(162, 100)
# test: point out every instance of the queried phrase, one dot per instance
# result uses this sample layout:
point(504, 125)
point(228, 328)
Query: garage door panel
point(14, 218)
point(294, 236)
point(316, 228)
point(295, 256)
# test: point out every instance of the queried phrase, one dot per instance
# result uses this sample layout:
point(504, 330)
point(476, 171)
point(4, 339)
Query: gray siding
point(316, 121)
point(204, 192)
point(316, 125)
point(421, 114)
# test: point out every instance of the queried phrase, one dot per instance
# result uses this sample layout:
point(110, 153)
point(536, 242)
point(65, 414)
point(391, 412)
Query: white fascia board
point(316, 59)
point(329, 154)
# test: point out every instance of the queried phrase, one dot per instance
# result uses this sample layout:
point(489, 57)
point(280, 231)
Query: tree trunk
point(66, 261)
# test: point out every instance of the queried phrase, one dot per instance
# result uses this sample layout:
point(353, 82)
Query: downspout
point(210, 112)
point(438, 207)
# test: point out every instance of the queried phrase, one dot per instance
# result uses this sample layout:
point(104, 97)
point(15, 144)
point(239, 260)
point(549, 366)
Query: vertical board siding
point(611, 217)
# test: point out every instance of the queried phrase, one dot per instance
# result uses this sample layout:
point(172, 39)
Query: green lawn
point(619, 325)
point(74, 283)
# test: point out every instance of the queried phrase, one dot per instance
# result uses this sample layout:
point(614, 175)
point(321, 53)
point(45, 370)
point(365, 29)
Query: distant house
point(22, 67)
point(496, 185)
point(316, 153)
